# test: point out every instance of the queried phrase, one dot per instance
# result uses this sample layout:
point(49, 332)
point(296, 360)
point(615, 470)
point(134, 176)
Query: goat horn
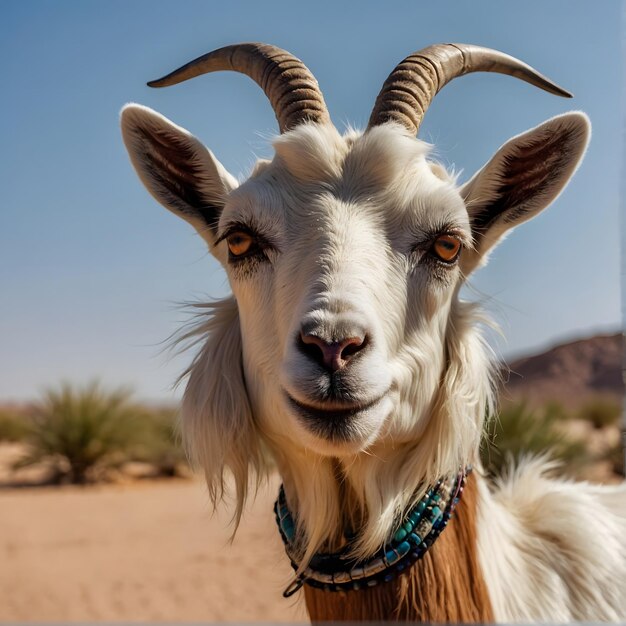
point(292, 90)
point(411, 87)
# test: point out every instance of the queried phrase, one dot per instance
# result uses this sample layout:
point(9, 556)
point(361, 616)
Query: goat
point(346, 351)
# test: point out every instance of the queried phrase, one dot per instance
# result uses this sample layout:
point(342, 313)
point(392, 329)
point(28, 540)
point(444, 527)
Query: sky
point(93, 271)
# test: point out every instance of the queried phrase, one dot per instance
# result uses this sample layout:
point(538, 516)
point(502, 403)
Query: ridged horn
point(292, 90)
point(411, 87)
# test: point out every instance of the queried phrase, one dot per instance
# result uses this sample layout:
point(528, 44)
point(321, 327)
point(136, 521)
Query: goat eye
point(446, 248)
point(240, 243)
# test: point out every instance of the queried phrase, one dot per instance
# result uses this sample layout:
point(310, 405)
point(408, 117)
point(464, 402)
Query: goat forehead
point(320, 181)
point(318, 154)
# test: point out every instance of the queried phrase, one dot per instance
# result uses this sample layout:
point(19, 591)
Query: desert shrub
point(520, 430)
point(554, 411)
point(601, 412)
point(80, 432)
point(160, 443)
point(12, 426)
point(616, 456)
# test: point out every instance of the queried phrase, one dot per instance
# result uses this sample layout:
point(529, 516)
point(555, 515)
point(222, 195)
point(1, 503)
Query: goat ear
point(176, 168)
point(525, 175)
point(217, 423)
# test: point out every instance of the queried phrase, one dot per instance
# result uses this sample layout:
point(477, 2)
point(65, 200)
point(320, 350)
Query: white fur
point(350, 220)
point(552, 550)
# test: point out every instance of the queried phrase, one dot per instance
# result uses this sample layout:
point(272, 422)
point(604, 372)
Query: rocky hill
point(568, 373)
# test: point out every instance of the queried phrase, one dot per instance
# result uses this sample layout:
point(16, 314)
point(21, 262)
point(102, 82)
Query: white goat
point(346, 351)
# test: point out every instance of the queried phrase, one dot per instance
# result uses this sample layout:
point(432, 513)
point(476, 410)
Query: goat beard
point(370, 490)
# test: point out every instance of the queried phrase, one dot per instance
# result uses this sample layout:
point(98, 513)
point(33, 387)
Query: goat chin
point(339, 435)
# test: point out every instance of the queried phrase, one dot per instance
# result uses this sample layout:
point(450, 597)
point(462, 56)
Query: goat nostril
point(312, 348)
point(351, 346)
point(334, 355)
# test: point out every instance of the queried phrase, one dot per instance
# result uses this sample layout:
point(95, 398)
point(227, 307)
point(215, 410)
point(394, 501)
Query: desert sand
point(146, 551)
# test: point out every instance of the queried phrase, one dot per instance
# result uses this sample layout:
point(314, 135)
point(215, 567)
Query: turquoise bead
point(391, 557)
point(288, 529)
point(418, 530)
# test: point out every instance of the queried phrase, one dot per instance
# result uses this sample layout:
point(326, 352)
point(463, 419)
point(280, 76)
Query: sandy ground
point(141, 552)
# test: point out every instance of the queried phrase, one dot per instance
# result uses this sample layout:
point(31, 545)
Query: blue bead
point(415, 539)
point(400, 535)
point(407, 526)
point(436, 513)
point(388, 577)
point(391, 556)
point(403, 548)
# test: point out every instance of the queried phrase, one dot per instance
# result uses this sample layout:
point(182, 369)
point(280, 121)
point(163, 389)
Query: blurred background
point(93, 274)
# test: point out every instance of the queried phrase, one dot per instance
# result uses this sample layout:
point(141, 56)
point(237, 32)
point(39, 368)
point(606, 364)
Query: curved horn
point(292, 90)
point(411, 87)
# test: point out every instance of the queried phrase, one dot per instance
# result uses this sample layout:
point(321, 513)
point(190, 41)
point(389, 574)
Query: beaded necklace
point(339, 571)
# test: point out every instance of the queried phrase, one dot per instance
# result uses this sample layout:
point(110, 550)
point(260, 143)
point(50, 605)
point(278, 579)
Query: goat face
point(345, 255)
point(342, 258)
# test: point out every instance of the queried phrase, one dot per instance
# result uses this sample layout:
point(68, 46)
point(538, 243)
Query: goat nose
point(333, 355)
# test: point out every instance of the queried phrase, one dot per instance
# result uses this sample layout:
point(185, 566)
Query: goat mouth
point(338, 422)
point(336, 412)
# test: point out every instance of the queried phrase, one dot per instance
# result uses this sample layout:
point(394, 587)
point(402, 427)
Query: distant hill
point(568, 373)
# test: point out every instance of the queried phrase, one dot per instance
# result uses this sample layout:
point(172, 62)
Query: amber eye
point(240, 243)
point(447, 247)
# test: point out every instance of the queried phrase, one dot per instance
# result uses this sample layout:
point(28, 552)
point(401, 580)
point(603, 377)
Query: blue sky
point(92, 269)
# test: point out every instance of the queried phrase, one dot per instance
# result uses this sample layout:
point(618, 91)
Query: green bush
point(554, 411)
point(80, 432)
point(520, 430)
point(601, 412)
point(160, 445)
point(12, 426)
